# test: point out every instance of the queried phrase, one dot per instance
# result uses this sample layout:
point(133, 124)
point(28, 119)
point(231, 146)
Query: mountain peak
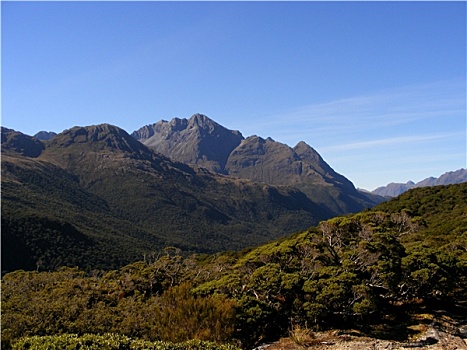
point(198, 140)
point(101, 136)
point(45, 135)
point(20, 143)
point(203, 142)
point(200, 119)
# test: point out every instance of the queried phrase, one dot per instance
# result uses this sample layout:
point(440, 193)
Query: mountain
point(394, 189)
point(16, 142)
point(449, 178)
point(97, 198)
point(45, 135)
point(201, 141)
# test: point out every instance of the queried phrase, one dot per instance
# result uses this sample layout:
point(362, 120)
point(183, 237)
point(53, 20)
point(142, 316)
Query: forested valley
point(384, 272)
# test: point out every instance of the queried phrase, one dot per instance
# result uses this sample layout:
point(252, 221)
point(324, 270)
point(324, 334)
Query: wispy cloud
point(395, 108)
point(390, 141)
point(382, 137)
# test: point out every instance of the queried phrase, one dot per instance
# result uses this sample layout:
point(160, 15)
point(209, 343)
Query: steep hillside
point(16, 142)
point(388, 272)
point(49, 220)
point(101, 188)
point(392, 277)
point(203, 142)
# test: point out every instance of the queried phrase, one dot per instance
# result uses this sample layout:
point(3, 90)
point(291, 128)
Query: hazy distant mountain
point(201, 141)
point(449, 178)
point(393, 189)
point(45, 135)
point(96, 197)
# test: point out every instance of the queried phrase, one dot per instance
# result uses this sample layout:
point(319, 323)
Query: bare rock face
point(45, 135)
point(201, 141)
point(198, 140)
point(314, 168)
point(265, 160)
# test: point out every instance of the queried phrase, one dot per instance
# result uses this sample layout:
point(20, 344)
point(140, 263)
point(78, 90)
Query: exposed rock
point(198, 140)
point(203, 142)
point(45, 135)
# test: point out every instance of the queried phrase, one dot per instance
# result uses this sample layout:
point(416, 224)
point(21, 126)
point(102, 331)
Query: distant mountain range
point(449, 178)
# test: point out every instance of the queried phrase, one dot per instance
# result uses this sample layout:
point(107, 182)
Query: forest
point(375, 271)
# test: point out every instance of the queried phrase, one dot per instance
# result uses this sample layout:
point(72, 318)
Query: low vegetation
point(371, 271)
point(110, 341)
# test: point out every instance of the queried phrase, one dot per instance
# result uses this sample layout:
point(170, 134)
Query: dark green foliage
point(354, 270)
point(141, 300)
point(110, 341)
point(368, 271)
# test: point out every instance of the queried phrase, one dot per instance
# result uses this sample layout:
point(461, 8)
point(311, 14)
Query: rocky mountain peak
point(203, 142)
point(45, 135)
point(102, 136)
point(201, 120)
point(198, 140)
point(305, 151)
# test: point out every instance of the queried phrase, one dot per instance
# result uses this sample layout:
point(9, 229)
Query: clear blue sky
point(377, 88)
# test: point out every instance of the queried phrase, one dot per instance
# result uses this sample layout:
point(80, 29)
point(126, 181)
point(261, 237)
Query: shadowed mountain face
point(13, 141)
point(202, 142)
point(97, 198)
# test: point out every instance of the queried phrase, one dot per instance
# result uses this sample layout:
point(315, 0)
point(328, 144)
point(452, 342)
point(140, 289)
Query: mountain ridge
point(254, 158)
point(143, 201)
point(449, 178)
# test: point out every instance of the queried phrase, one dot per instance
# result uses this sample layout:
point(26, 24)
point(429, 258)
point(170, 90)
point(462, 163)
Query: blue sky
point(377, 88)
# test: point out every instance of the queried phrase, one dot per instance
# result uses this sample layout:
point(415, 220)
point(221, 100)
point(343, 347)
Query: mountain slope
point(115, 198)
point(201, 141)
point(49, 220)
point(16, 142)
point(396, 273)
point(449, 178)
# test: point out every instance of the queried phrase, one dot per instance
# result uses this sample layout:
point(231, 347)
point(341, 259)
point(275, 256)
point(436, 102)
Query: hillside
point(97, 198)
point(449, 178)
point(203, 142)
point(394, 277)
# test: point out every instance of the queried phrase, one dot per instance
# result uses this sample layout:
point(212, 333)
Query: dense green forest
point(373, 271)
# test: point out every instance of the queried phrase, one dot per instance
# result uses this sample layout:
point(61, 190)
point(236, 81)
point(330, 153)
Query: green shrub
point(110, 341)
